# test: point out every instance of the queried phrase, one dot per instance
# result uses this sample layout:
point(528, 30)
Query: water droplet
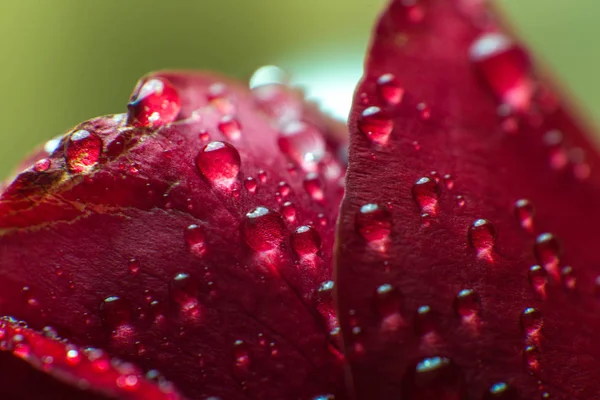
point(501, 391)
point(424, 111)
point(284, 188)
point(263, 229)
point(250, 184)
point(204, 136)
point(557, 155)
point(547, 252)
point(306, 241)
point(262, 176)
point(569, 280)
point(505, 67)
point(482, 235)
point(116, 311)
point(373, 222)
point(303, 144)
point(230, 127)
point(154, 102)
point(195, 239)
point(324, 397)
point(538, 278)
point(531, 321)
point(524, 212)
point(424, 320)
point(375, 125)
point(184, 292)
point(240, 354)
point(581, 168)
point(531, 359)
point(434, 378)
point(460, 201)
point(389, 89)
point(219, 98)
point(134, 266)
point(219, 162)
point(449, 181)
point(466, 303)
point(388, 302)
point(289, 211)
point(313, 187)
point(426, 193)
point(42, 165)
point(82, 150)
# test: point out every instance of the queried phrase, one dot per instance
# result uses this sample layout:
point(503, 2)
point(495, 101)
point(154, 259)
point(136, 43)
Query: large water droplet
point(531, 321)
point(466, 303)
point(434, 378)
point(195, 239)
point(373, 222)
point(82, 150)
point(524, 212)
point(115, 311)
point(426, 193)
point(306, 241)
point(389, 89)
point(505, 67)
point(303, 144)
point(219, 162)
point(154, 102)
point(184, 292)
point(375, 125)
point(501, 391)
point(263, 229)
point(482, 235)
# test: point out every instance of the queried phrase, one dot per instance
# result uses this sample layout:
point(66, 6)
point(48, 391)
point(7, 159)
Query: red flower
point(195, 236)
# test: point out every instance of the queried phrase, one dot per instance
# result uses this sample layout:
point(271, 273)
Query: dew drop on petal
point(373, 222)
point(389, 89)
point(115, 311)
point(482, 235)
point(531, 321)
point(313, 186)
point(524, 213)
point(501, 391)
point(154, 102)
point(303, 144)
point(184, 292)
point(306, 241)
point(134, 266)
point(547, 252)
point(568, 278)
point(538, 279)
point(42, 165)
point(288, 210)
point(82, 150)
point(230, 127)
point(219, 162)
point(374, 124)
point(426, 193)
point(250, 184)
point(263, 229)
point(505, 67)
point(388, 302)
point(466, 303)
point(434, 378)
point(195, 239)
point(531, 359)
point(424, 320)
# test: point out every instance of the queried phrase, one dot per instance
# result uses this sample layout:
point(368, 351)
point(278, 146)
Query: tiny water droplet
point(501, 391)
point(460, 201)
point(531, 359)
point(531, 321)
point(219, 162)
point(373, 222)
point(195, 239)
point(154, 102)
point(42, 165)
point(466, 303)
point(82, 150)
point(263, 229)
point(313, 187)
point(306, 241)
point(426, 193)
point(557, 154)
point(116, 311)
point(250, 184)
point(388, 300)
point(289, 211)
point(375, 125)
point(434, 378)
point(240, 354)
point(389, 89)
point(284, 188)
point(449, 181)
point(424, 111)
point(262, 176)
point(569, 280)
point(505, 67)
point(184, 291)
point(547, 252)
point(303, 144)
point(524, 212)
point(482, 235)
point(230, 127)
point(134, 266)
point(538, 278)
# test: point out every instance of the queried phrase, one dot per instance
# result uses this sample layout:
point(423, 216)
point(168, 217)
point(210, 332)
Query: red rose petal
point(153, 248)
point(484, 175)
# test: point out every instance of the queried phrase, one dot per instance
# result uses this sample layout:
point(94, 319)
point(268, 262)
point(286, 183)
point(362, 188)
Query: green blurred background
point(64, 61)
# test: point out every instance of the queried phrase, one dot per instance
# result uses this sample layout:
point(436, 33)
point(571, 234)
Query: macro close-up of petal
point(222, 240)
